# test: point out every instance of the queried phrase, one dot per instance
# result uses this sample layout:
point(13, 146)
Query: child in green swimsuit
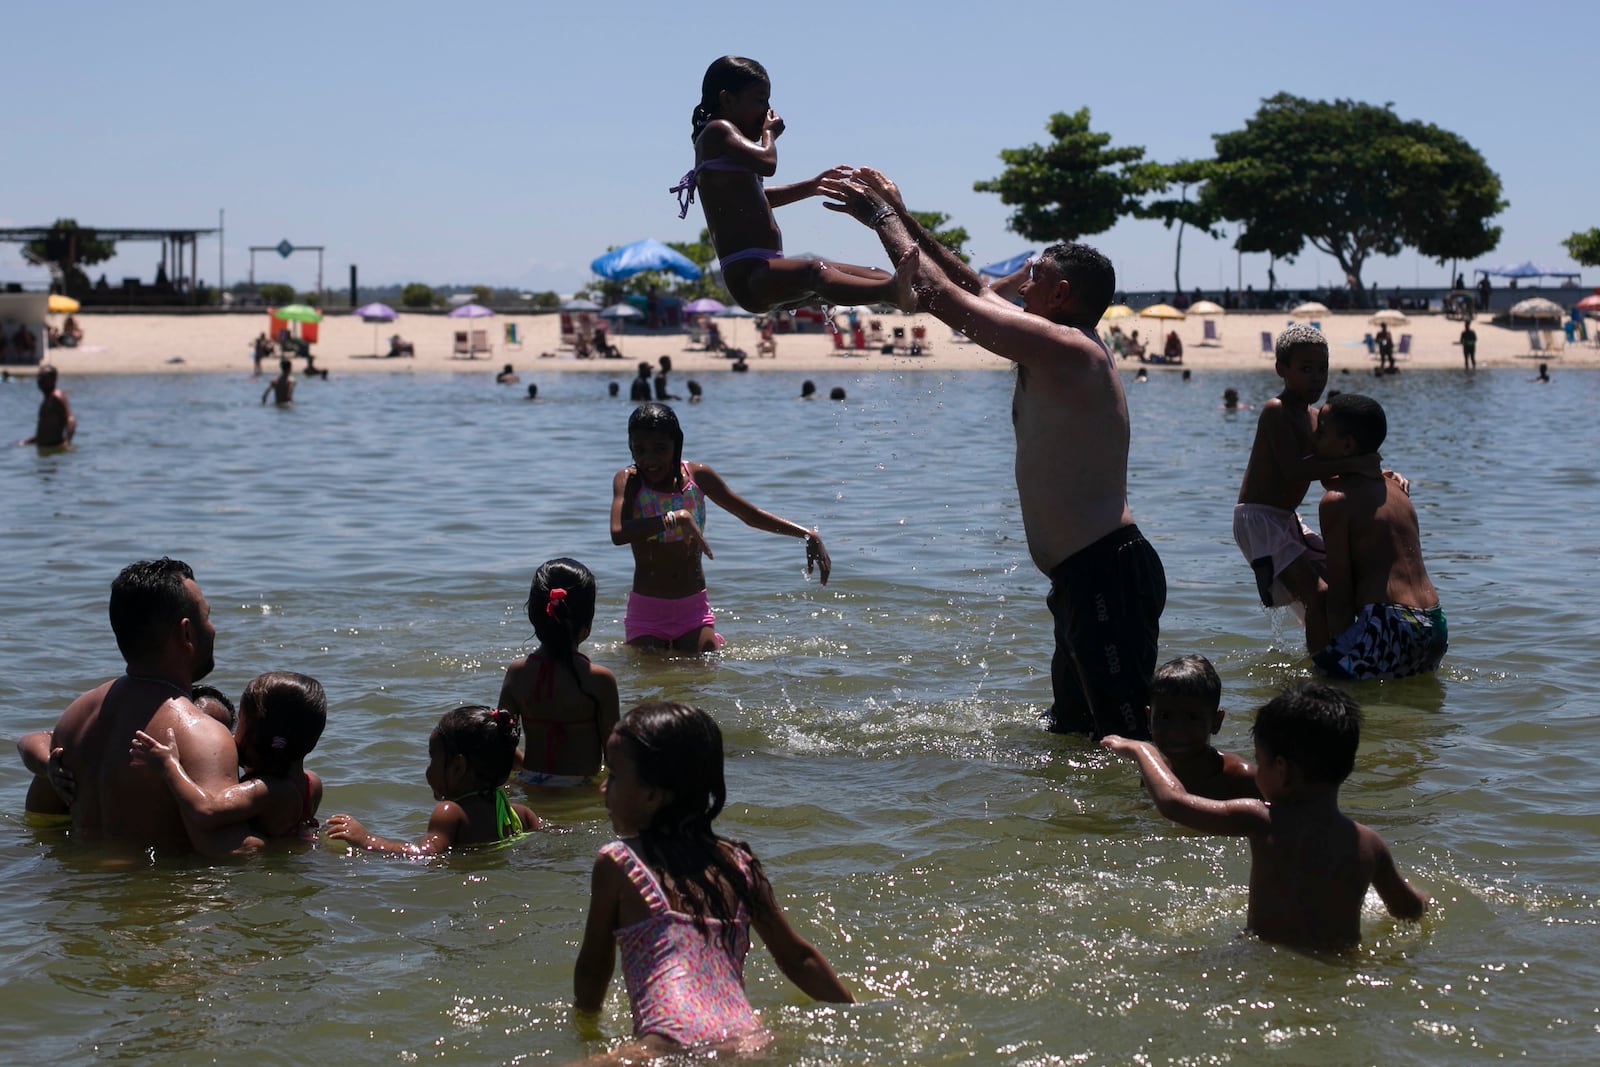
point(469, 759)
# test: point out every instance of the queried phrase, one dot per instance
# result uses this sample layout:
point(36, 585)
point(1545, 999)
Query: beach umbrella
point(298, 313)
point(469, 311)
point(1389, 317)
point(376, 313)
point(705, 306)
point(580, 305)
point(1119, 311)
point(1537, 307)
point(641, 256)
point(1006, 266)
point(1206, 307)
point(1589, 303)
point(1161, 311)
point(1309, 310)
point(62, 305)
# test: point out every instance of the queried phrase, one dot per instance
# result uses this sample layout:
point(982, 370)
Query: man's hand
point(879, 182)
point(855, 199)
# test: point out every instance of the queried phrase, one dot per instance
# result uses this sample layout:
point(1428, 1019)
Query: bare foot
point(905, 279)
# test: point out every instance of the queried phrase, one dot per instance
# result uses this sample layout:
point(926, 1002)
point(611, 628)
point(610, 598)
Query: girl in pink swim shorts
point(658, 506)
point(678, 900)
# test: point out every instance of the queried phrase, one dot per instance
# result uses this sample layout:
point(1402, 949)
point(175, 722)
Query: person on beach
point(260, 352)
point(1378, 614)
point(1287, 557)
point(566, 705)
point(1230, 400)
point(1469, 346)
point(1310, 864)
point(281, 387)
point(507, 376)
point(1185, 713)
point(1385, 341)
point(470, 754)
point(281, 718)
point(163, 628)
point(658, 506)
point(679, 900)
point(639, 391)
point(56, 424)
point(1107, 585)
point(1543, 375)
point(735, 135)
point(663, 393)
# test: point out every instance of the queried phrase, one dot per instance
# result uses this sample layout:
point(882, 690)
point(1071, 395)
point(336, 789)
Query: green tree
point(954, 238)
point(1073, 186)
point(1584, 247)
point(1352, 180)
point(482, 294)
point(547, 300)
point(276, 294)
point(417, 295)
point(66, 249)
point(1185, 174)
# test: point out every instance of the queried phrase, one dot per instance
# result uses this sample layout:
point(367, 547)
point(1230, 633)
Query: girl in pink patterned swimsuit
point(735, 147)
point(678, 899)
point(658, 506)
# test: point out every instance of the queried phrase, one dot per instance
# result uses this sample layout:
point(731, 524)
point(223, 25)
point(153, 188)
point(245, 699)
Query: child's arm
point(1403, 901)
point(781, 195)
point(717, 490)
point(1338, 602)
point(597, 955)
point(200, 809)
point(722, 138)
point(443, 826)
point(627, 530)
point(798, 959)
point(1288, 453)
point(1235, 818)
point(34, 748)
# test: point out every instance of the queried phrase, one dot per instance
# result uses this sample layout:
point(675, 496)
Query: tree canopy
point(66, 250)
point(1352, 180)
point(1198, 211)
point(954, 238)
point(1073, 186)
point(1584, 247)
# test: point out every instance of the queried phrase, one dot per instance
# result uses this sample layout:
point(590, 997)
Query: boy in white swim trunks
point(1286, 555)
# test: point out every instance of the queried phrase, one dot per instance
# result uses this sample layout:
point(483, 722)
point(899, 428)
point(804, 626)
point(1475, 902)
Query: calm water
point(993, 893)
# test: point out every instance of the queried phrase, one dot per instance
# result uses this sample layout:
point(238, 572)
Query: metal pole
point(319, 276)
point(222, 284)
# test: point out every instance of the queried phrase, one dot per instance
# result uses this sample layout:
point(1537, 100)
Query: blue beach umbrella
point(1006, 266)
point(641, 256)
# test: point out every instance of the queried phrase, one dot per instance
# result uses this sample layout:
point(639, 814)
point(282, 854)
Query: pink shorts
point(667, 619)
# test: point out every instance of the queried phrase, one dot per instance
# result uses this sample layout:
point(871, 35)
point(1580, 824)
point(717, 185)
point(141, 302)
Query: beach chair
point(513, 336)
point(839, 347)
point(1553, 341)
point(480, 343)
point(1266, 343)
point(460, 348)
point(696, 337)
point(919, 339)
point(858, 339)
point(875, 333)
point(1533, 341)
point(899, 338)
point(767, 347)
point(1403, 350)
point(1211, 335)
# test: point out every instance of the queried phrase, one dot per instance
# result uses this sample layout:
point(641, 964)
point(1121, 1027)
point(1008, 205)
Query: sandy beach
point(145, 344)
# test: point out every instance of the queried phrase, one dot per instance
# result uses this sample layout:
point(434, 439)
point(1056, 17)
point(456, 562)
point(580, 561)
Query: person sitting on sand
point(1134, 347)
point(735, 134)
point(399, 346)
point(1174, 348)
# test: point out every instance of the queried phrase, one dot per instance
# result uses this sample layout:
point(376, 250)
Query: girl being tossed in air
point(567, 704)
point(658, 506)
point(735, 135)
point(679, 900)
point(469, 759)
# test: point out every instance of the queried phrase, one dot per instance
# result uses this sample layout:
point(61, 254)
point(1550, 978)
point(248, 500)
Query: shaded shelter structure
point(177, 272)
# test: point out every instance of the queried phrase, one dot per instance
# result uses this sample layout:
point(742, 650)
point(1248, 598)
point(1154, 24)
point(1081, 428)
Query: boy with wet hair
point(1185, 713)
point(1286, 555)
point(1377, 615)
point(1310, 864)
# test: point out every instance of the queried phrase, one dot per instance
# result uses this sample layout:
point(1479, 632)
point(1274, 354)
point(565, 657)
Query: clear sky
point(509, 143)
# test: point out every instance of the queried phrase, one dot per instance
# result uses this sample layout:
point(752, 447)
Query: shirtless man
point(56, 423)
point(1107, 586)
point(1378, 614)
point(163, 628)
point(282, 387)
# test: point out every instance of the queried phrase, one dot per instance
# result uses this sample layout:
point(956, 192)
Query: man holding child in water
point(1107, 585)
point(163, 628)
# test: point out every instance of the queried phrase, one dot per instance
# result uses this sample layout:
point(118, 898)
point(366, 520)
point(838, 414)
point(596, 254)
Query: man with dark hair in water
point(163, 628)
point(1107, 585)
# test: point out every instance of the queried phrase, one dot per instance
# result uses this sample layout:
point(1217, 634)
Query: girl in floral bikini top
point(679, 900)
point(566, 704)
